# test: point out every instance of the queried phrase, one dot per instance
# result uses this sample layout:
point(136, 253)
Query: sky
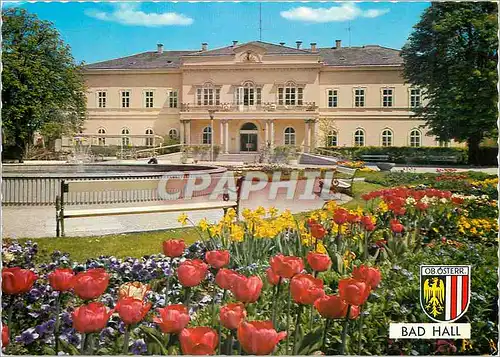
point(101, 31)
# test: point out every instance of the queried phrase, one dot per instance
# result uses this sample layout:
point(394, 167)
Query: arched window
point(125, 139)
point(208, 94)
point(207, 135)
point(387, 137)
point(290, 94)
point(101, 140)
point(150, 140)
point(249, 126)
point(331, 138)
point(359, 137)
point(289, 136)
point(173, 134)
point(248, 94)
point(415, 138)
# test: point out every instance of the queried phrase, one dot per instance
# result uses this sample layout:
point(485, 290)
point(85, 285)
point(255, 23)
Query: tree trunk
point(473, 147)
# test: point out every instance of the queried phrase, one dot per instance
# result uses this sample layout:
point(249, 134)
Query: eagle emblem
point(445, 291)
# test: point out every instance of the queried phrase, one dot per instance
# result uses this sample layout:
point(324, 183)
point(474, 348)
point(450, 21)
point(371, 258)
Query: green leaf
point(311, 342)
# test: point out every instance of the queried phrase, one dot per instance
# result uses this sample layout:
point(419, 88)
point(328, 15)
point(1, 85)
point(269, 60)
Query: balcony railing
point(264, 107)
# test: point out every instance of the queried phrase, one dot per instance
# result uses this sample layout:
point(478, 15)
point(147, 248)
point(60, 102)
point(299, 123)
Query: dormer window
point(290, 94)
point(248, 94)
point(208, 94)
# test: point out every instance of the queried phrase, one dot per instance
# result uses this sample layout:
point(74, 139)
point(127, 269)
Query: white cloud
point(129, 14)
point(344, 12)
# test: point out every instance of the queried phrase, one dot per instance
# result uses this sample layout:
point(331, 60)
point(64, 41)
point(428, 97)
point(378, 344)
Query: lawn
point(145, 243)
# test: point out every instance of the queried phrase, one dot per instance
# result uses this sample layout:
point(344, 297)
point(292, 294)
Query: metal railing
point(234, 107)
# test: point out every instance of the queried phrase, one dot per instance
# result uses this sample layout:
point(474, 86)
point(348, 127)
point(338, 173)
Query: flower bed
point(268, 284)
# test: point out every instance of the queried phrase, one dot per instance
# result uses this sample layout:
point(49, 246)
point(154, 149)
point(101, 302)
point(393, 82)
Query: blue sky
point(100, 31)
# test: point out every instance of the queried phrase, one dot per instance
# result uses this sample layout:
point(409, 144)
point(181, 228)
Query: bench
point(344, 184)
point(450, 158)
point(133, 191)
point(375, 157)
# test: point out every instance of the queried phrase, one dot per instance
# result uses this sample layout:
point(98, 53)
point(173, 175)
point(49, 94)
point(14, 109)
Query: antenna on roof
point(260, 21)
point(349, 30)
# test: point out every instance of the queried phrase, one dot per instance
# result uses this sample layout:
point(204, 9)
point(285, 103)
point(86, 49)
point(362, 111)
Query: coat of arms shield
point(445, 291)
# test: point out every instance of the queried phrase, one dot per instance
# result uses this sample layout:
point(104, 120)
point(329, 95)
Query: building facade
point(243, 97)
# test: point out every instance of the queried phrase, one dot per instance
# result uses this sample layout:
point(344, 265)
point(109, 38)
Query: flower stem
point(167, 288)
point(289, 302)
point(344, 330)
point(275, 298)
point(323, 344)
point(229, 351)
point(82, 347)
point(213, 305)
point(296, 334)
point(56, 327)
point(187, 297)
point(360, 330)
point(126, 337)
point(10, 311)
point(365, 251)
point(90, 337)
point(311, 318)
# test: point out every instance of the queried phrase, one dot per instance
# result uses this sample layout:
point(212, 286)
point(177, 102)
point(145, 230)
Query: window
point(289, 136)
point(333, 100)
point(207, 135)
point(415, 138)
point(172, 134)
point(150, 141)
point(414, 98)
point(125, 99)
point(173, 99)
point(359, 137)
point(387, 137)
point(387, 97)
point(101, 140)
point(208, 95)
point(290, 94)
point(101, 99)
point(359, 97)
point(148, 96)
point(331, 138)
point(248, 94)
point(125, 139)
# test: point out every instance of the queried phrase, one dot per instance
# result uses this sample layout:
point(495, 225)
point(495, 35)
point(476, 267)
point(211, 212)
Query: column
point(222, 134)
point(267, 132)
point(272, 133)
point(307, 133)
point(226, 140)
point(315, 134)
point(187, 130)
point(181, 133)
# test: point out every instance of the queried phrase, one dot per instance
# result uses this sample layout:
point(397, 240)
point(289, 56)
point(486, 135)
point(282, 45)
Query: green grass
point(146, 243)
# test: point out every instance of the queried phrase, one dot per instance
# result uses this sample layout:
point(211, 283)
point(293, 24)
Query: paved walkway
point(34, 222)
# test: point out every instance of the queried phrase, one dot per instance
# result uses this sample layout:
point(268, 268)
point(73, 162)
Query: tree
point(452, 55)
point(42, 84)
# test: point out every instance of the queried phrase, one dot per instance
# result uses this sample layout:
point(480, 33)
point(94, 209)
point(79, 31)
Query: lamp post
point(211, 114)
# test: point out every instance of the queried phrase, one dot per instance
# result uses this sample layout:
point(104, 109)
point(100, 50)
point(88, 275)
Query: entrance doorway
point(249, 137)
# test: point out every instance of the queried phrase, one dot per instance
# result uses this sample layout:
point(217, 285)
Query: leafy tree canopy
point(42, 84)
point(452, 55)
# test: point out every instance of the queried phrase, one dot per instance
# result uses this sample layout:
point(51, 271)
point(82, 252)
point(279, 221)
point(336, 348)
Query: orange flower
point(192, 272)
point(259, 337)
point(172, 319)
point(353, 291)
point(232, 314)
point(132, 310)
point(333, 307)
point(306, 289)
point(198, 341)
point(17, 281)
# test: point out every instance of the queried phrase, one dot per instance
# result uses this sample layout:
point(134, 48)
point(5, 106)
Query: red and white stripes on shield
point(457, 296)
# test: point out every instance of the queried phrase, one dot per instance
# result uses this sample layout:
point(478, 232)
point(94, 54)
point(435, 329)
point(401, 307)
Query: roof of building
point(372, 55)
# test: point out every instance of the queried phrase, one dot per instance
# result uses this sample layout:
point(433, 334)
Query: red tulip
point(247, 289)
point(340, 216)
point(90, 284)
point(17, 281)
point(232, 314)
point(132, 310)
point(286, 266)
point(5, 335)
point(198, 341)
point(272, 277)
point(173, 248)
point(61, 279)
point(225, 278)
point(306, 289)
point(318, 231)
point(369, 275)
point(319, 262)
point(217, 258)
point(172, 319)
point(421, 206)
point(259, 337)
point(192, 272)
point(353, 291)
point(333, 307)
point(353, 218)
point(396, 227)
point(91, 318)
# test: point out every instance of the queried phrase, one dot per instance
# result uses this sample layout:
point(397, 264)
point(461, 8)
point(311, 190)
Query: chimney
point(298, 44)
point(338, 43)
point(160, 48)
point(313, 46)
point(204, 46)
point(235, 43)
point(282, 43)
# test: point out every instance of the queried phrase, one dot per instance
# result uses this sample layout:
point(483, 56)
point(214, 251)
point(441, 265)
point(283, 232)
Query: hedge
point(416, 155)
